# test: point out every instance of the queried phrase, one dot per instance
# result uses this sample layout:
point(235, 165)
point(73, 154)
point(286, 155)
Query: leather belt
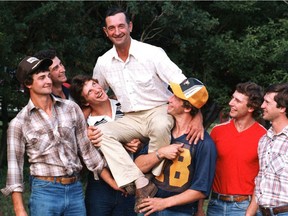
point(230, 198)
point(266, 211)
point(59, 179)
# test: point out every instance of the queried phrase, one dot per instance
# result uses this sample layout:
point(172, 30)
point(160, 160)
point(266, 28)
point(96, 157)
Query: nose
point(263, 105)
point(231, 102)
point(170, 99)
point(117, 31)
point(48, 79)
point(62, 68)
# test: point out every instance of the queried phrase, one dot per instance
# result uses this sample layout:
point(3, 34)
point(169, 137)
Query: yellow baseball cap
point(191, 90)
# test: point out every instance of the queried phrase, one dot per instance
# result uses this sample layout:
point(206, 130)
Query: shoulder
point(222, 125)
point(67, 104)
point(107, 55)
point(260, 127)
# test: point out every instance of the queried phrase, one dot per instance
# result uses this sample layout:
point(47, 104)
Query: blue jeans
point(52, 198)
point(102, 200)
point(218, 207)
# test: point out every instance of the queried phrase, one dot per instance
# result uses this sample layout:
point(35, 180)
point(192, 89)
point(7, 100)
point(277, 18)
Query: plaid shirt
point(272, 181)
point(53, 144)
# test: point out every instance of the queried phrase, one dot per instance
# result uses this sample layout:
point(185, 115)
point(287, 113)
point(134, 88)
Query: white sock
point(141, 182)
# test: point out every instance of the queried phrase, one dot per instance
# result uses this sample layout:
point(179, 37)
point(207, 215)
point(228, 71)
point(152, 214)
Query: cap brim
point(176, 89)
point(42, 64)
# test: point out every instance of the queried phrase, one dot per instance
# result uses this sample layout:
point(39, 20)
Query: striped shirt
point(139, 83)
point(51, 143)
point(116, 114)
point(272, 180)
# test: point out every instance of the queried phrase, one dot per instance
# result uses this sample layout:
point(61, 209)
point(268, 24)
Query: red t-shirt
point(237, 159)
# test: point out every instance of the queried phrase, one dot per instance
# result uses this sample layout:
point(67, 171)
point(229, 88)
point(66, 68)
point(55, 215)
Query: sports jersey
point(193, 169)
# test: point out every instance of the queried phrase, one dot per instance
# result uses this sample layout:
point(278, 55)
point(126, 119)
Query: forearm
point(146, 162)
point(106, 176)
point(18, 204)
point(253, 207)
point(186, 197)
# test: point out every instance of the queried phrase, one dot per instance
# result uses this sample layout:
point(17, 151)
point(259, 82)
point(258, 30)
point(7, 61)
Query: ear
point(105, 30)
point(283, 110)
point(187, 110)
point(130, 25)
point(250, 109)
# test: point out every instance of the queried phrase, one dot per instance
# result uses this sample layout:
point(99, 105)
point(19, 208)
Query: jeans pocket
point(242, 205)
point(38, 183)
point(212, 202)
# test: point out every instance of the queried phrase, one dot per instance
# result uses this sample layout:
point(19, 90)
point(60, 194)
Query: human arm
point(94, 135)
point(200, 211)
point(107, 177)
point(146, 162)
point(18, 204)
point(133, 146)
point(150, 205)
point(195, 130)
point(253, 207)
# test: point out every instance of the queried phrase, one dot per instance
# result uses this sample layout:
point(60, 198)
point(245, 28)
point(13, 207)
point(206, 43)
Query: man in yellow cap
point(188, 173)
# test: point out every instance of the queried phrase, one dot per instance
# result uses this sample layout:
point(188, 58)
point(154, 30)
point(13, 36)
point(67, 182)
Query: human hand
point(195, 129)
point(94, 135)
point(133, 146)
point(150, 205)
point(170, 152)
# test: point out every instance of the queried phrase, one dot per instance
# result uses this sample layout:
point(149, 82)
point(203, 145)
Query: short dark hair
point(281, 98)
point(48, 53)
point(115, 10)
point(255, 96)
point(76, 88)
point(187, 104)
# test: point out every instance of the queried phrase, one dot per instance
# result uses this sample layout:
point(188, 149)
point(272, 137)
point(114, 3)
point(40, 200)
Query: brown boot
point(130, 189)
point(148, 191)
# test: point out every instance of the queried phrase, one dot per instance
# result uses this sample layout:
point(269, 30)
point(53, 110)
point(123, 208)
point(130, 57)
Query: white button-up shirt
point(141, 82)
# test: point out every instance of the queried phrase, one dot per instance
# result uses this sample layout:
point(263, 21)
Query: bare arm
point(147, 161)
point(253, 207)
point(18, 204)
point(195, 129)
point(94, 134)
point(150, 205)
point(200, 211)
point(133, 146)
point(107, 177)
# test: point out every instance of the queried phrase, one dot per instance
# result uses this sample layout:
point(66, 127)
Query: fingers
point(94, 135)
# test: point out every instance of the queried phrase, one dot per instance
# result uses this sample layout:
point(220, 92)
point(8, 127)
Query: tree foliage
point(220, 42)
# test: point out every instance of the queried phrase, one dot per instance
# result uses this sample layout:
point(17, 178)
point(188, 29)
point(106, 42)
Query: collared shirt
point(272, 181)
point(53, 144)
point(139, 83)
point(116, 114)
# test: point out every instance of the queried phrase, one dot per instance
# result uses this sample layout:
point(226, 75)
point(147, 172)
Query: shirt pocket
point(67, 132)
point(279, 164)
point(38, 140)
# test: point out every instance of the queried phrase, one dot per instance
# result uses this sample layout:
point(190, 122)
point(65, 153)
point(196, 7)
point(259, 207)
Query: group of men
point(139, 134)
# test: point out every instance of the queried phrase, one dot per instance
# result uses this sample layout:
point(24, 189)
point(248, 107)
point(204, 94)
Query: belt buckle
point(67, 180)
point(266, 211)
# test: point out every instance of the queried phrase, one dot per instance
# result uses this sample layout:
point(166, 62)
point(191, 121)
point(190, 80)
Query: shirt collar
point(31, 107)
point(270, 132)
point(132, 50)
